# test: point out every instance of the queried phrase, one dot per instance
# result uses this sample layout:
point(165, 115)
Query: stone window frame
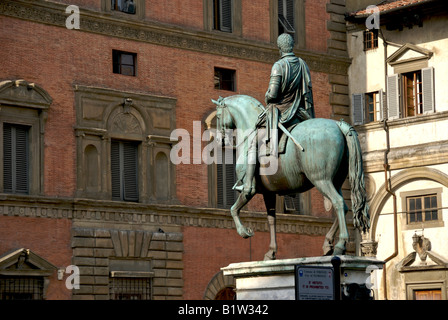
point(425, 224)
point(104, 115)
point(25, 103)
point(131, 269)
point(106, 6)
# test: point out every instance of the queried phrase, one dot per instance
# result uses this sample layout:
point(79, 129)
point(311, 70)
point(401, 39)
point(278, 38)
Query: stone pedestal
point(275, 280)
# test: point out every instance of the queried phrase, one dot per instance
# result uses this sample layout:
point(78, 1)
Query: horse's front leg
point(329, 238)
point(269, 200)
point(243, 231)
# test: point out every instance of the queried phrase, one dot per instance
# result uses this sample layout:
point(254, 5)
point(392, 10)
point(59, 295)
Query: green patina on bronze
point(331, 152)
point(320, 154)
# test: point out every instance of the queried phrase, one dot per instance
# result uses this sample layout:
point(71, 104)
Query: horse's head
point(224, 121)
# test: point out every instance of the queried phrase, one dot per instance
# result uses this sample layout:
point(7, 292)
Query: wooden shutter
point(381, 105)
point(219, 185)
point(115, 170)
point(428, 89)
point(130, 171)
point(358, 108)
point(290, 12)
point(286, 15)
point(230, 178)
point(124, 171)
point(225, 15)
point(226, 179)
point(15, 158)
point(393, 97)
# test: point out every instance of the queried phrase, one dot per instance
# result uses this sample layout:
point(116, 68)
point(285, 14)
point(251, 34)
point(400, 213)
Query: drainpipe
point(388, 187)
point(387, 181)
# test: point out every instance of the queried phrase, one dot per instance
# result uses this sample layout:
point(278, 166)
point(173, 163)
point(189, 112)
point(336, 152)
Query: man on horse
point(289, 100)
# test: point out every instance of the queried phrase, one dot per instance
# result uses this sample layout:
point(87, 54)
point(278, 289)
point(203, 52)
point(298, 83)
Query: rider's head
point(285, 42)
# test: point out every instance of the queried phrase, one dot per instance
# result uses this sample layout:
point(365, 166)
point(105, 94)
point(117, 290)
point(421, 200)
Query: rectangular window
point(15, 158)
point(367, 107)
point(413, 93)
point(130, 288)
point(224, 79)
point(373, 106)
point(286, 16)
point(222, 15)
point(370, 39)
point(21, 288)
point(428, 294)
point(124, 170)
point(124, 62)
point(292, 203)
point(410, 94)
point(422, 208)
point(126, 6)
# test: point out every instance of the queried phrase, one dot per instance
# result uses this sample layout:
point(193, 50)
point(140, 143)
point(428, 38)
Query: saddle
point(282, 138)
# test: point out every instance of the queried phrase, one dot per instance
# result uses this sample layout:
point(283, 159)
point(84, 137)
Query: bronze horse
point(331, 150)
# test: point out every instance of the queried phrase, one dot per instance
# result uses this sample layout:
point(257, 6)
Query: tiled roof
point(388, 6)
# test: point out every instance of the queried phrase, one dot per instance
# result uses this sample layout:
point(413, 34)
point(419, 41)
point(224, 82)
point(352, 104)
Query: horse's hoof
point(246, 233)
point(328, 250)
point(338, 251)
point(270, 255)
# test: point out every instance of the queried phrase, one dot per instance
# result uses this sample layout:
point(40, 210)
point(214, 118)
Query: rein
point(221, 109)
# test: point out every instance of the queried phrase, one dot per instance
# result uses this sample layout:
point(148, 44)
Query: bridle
point(222, 112)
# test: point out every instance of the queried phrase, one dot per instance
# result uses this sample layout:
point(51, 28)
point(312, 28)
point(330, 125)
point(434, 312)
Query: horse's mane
point(248, 99)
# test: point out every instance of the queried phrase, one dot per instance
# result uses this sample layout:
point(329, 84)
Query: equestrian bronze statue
point(316, 153)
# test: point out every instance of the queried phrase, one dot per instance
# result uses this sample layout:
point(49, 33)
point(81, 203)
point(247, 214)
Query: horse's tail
point(360, 207)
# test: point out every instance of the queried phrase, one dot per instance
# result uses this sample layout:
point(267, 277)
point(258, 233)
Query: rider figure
point(289, 99)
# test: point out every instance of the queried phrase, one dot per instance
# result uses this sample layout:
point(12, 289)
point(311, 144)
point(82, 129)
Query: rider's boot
point(249, 182)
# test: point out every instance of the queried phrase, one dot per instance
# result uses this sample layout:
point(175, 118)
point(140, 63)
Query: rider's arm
point(274, 83)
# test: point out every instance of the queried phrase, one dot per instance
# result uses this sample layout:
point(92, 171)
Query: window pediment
point(24, 94)
point(25, 262)
point(409, 53)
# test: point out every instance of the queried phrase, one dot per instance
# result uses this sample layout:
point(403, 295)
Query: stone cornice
point(52, 13)
point(124, 213)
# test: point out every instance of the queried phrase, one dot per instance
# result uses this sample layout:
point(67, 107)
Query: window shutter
point(21, 159)
point(124, 171)
point(15, 158)
point(290, 12)
point(130, 171)
point(226, 178)
point(358, 108)
point(225, 15)
point(393, 97)
point(115, 170)
point(286, 15)
point(7, 158)
point(380, 112)
point(219, 185)
point(428, 89)
point(230, 181)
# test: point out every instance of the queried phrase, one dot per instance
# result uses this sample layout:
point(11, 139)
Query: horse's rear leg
point(329, 237)
point(242, 200)
point(328, 190)
point(269, 200)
